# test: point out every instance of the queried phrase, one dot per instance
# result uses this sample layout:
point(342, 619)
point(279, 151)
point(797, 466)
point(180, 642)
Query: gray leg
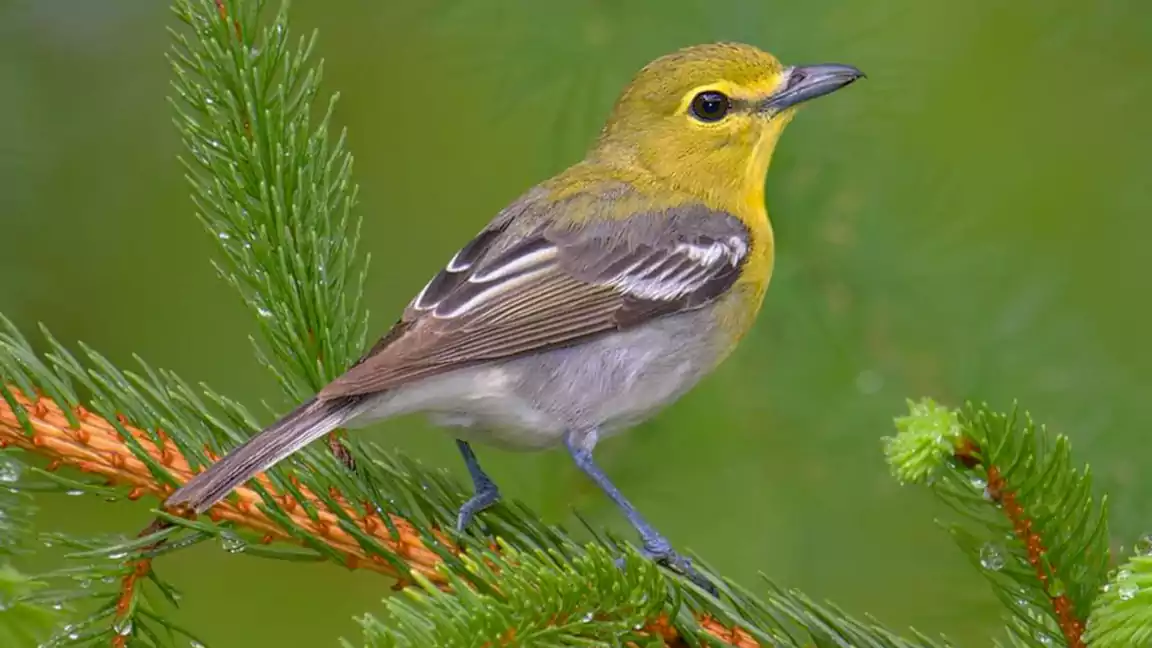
point(656, 546)
point(485, 494)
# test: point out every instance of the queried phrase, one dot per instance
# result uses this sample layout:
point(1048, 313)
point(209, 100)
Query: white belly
point(529, 403)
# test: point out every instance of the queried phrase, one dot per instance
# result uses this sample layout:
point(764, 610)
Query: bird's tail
point(295, 430)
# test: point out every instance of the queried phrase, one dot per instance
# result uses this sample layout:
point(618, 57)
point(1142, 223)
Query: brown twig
point(968, 453)
point(95, 447)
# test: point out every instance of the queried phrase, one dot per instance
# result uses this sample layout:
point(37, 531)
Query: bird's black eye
point(710, 106)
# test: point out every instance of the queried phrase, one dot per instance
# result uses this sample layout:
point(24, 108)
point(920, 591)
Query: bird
point(594, 299)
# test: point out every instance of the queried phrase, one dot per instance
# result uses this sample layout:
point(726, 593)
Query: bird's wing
point(553, 286)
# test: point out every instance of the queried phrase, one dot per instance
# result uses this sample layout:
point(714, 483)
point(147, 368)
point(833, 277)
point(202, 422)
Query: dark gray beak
point(811, 81)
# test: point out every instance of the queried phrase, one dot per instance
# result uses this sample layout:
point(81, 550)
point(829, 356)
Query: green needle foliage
point(275, 192)
point(271, 187)
point(1028, 521)
point(22, 621)
point(1122, 614)
point(543, 600)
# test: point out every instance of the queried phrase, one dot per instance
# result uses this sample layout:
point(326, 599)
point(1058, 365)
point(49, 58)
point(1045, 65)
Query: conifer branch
point(270, 187)
point(93, 446)
point(1122, 614)
point(22, 622)
point(81, 439)
point(1033, 528)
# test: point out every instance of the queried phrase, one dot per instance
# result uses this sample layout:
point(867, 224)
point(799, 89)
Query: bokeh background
point(971, 222)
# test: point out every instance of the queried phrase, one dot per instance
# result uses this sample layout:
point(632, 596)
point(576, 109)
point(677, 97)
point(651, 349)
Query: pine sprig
point(23, 622)
point(16, 507)
point(270, 186)
point(531, 599)
point(558, 598)
point(1031, 523)
point(315, 509)
point(1122, 614)
point(113, 580)
point(788, 617)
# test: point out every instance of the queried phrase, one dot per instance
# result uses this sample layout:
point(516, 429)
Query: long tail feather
point(305, 424)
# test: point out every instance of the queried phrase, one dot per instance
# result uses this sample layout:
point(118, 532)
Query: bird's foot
point(486, 495)
point(657, 549)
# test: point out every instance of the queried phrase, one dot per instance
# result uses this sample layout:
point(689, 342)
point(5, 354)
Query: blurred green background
point(972, 221)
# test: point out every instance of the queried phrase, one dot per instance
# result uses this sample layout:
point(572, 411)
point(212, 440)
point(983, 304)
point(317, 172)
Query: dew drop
point(992, 557)
point(264, 312)
point(224, 236)
point(9, 471)
point(120, 555)
point(978, 483)
point(123, 627)
point(232, 543)
point(587, 618)
point(1144, 545)
point(74, 492)
point(1127, 591)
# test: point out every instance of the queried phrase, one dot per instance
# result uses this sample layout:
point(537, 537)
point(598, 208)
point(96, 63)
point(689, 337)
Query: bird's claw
point(661, 553)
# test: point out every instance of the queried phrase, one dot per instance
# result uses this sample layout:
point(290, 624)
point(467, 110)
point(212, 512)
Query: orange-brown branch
point(968, 452)
point(95, 447)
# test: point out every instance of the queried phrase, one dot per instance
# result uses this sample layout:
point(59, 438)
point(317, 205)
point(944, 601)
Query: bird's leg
point(656, 546)
point(485, 493)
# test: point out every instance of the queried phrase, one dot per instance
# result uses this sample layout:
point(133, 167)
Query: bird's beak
point(808, 82)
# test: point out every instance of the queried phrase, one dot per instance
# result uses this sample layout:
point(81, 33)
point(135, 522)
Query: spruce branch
point(1122, 614)
point(270, 187)
point(94, 447)
point(22, 621)
point(390, 545)
point(1031, 522)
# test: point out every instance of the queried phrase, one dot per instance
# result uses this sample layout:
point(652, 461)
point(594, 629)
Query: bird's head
point(706, 118)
